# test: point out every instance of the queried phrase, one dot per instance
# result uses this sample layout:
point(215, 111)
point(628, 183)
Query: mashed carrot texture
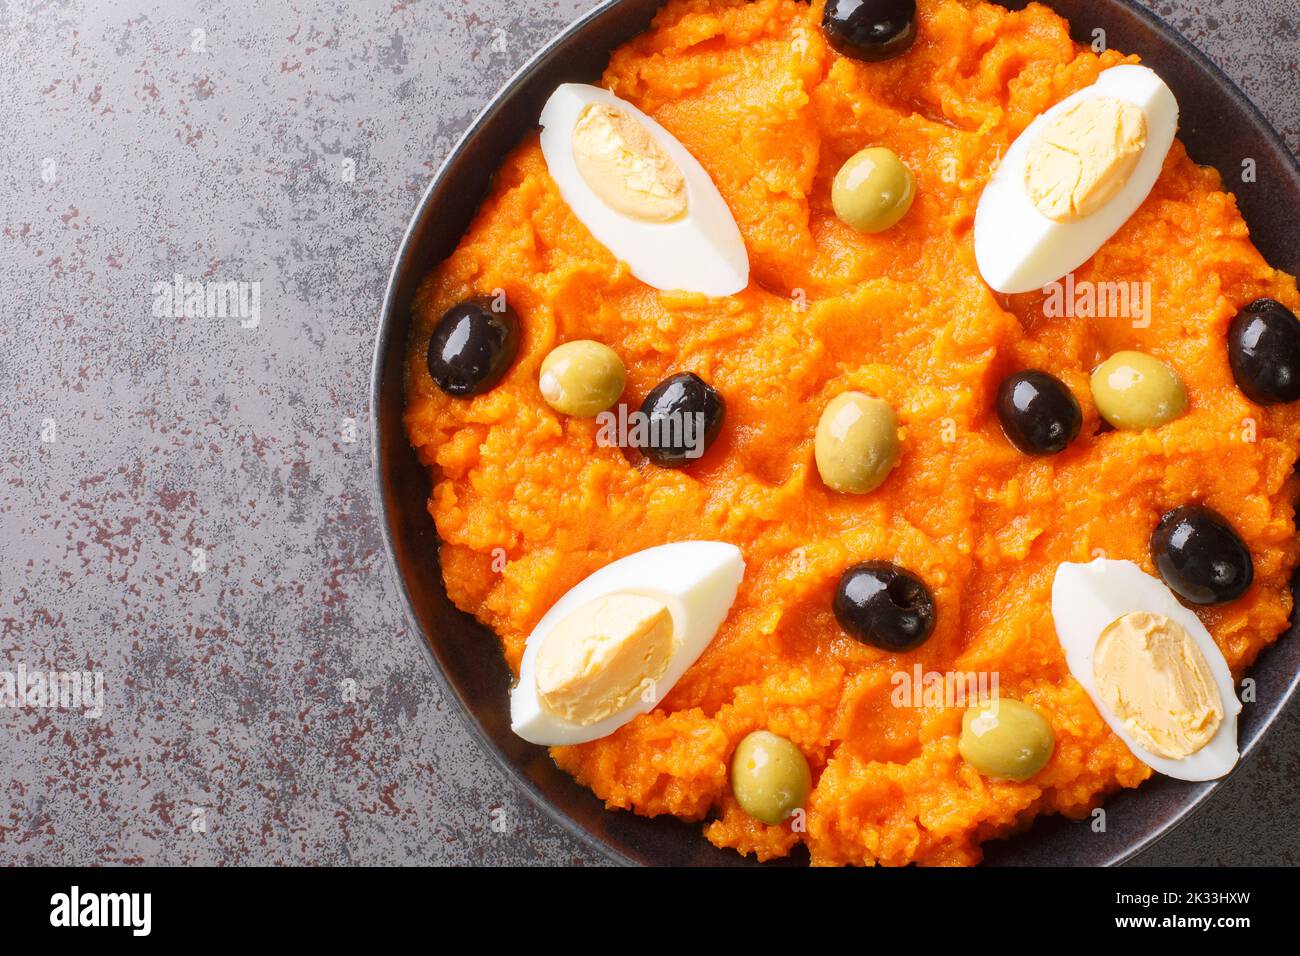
point(752, 89)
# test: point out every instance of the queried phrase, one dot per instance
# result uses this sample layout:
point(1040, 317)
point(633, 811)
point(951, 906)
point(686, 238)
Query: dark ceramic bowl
point(1220, 128)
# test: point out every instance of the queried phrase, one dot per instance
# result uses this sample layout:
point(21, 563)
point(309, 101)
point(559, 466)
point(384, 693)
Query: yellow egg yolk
point(1084, 157)
point(625, 167)
point(603, 654)
point(1154, 678)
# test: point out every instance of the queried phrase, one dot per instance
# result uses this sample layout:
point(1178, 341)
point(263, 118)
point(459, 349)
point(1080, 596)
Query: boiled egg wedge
point(1073, 178)
point(641, 194)
point(1149, 665)
point(616, 643)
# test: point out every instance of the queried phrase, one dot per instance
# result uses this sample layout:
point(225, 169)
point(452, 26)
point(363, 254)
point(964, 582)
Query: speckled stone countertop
point(186, 502)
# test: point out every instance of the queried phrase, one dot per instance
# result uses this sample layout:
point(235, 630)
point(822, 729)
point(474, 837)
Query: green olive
point(1132, 390)
point(872, 190)
point(769, 776)
point(856, 443)
point(582, 378)
point(1006, 739)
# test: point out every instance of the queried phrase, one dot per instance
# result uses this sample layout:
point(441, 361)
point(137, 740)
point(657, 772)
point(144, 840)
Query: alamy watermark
point(635, 429)
point(129, 910)
point(921, 688)
point(1098, 300)
point(208, 299)
point(53, 690)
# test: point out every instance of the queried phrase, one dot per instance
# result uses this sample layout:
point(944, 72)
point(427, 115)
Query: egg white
point(700, 252)
point(1017, 248)
point(697, 580)
point(1088, 598)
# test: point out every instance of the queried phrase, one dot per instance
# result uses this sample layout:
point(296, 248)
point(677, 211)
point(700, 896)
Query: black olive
point(881, 604)
point(681, 415)
point(1038, 413)
point(472, 347)
point(870, 30)
point(1200, 557)
point(1264, 352)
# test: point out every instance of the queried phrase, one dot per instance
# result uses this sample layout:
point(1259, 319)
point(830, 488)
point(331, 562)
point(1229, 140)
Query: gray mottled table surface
point(185, 501)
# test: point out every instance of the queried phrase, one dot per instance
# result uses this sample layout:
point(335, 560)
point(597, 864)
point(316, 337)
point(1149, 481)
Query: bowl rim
point(1198, 793)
